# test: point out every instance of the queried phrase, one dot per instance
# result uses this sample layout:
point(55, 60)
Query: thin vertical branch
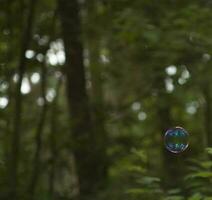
point(207, 113)
point(53, 143)
point(38, 136)
point(15, 146)
point(41, 125)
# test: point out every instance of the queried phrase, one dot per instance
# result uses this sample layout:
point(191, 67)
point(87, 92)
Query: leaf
point(196, 196)
point(174, 191)
point(136, 191)
point(209, 150)
point(174, 198)
point(199, 175)
point(149, 180)
point(207, 164)
point(137, 169)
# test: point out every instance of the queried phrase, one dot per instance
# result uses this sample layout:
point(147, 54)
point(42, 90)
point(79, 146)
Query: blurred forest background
point(87, 91)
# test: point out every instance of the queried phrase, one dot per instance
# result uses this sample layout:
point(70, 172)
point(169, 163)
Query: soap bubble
point(176, 140)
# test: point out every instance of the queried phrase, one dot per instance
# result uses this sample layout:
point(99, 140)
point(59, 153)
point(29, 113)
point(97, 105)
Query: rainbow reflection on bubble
point(176, 140)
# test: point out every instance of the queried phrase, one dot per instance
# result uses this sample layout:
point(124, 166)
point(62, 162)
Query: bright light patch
point(35, 78)
point(104, 56)
point(56, 53)
point(136, 106)
point(3, 86)
point(171, 70)
point(43, 40)
point(40, 101)
point(3, 102)
point(86, 58)
point(29, 54)
point(50, 95)
point(86, 62)
point(88, 84)
point(15, 78)
point(142, 116)
point(181, 81)
point(25, 86)
point(185, 74)
point(58, 74)
point(169, 85)
point(104, 59)
point(52, 58)
point(206, 57)
point(191, 108)
point(61, 57)
point(40, 57)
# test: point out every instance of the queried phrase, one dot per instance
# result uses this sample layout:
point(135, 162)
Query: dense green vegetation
point(87, 91)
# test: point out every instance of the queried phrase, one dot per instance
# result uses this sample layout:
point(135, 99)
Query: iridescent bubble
point(176, 140)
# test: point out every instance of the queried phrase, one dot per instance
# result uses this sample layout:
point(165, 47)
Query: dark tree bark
point(15, 143)
point(53, 142)
point(41, 124)
point(84, 142)
point(38, 136)
point(98, 107)
point(172, 165)
point(93, 42)
point(207, 114)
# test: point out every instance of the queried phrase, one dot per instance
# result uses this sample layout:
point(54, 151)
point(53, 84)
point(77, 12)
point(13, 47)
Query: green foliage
point(199, 179)
point(145, 186)
point(197, 182)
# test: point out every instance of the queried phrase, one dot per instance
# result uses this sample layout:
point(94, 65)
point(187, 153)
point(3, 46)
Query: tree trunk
point(53, 142)
point(98, 107)
point(38, 137)
point(172, 163)
point(93, 41)
point(84, 142)
point(207, 111)
point(41, 124)
point(15, 143)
